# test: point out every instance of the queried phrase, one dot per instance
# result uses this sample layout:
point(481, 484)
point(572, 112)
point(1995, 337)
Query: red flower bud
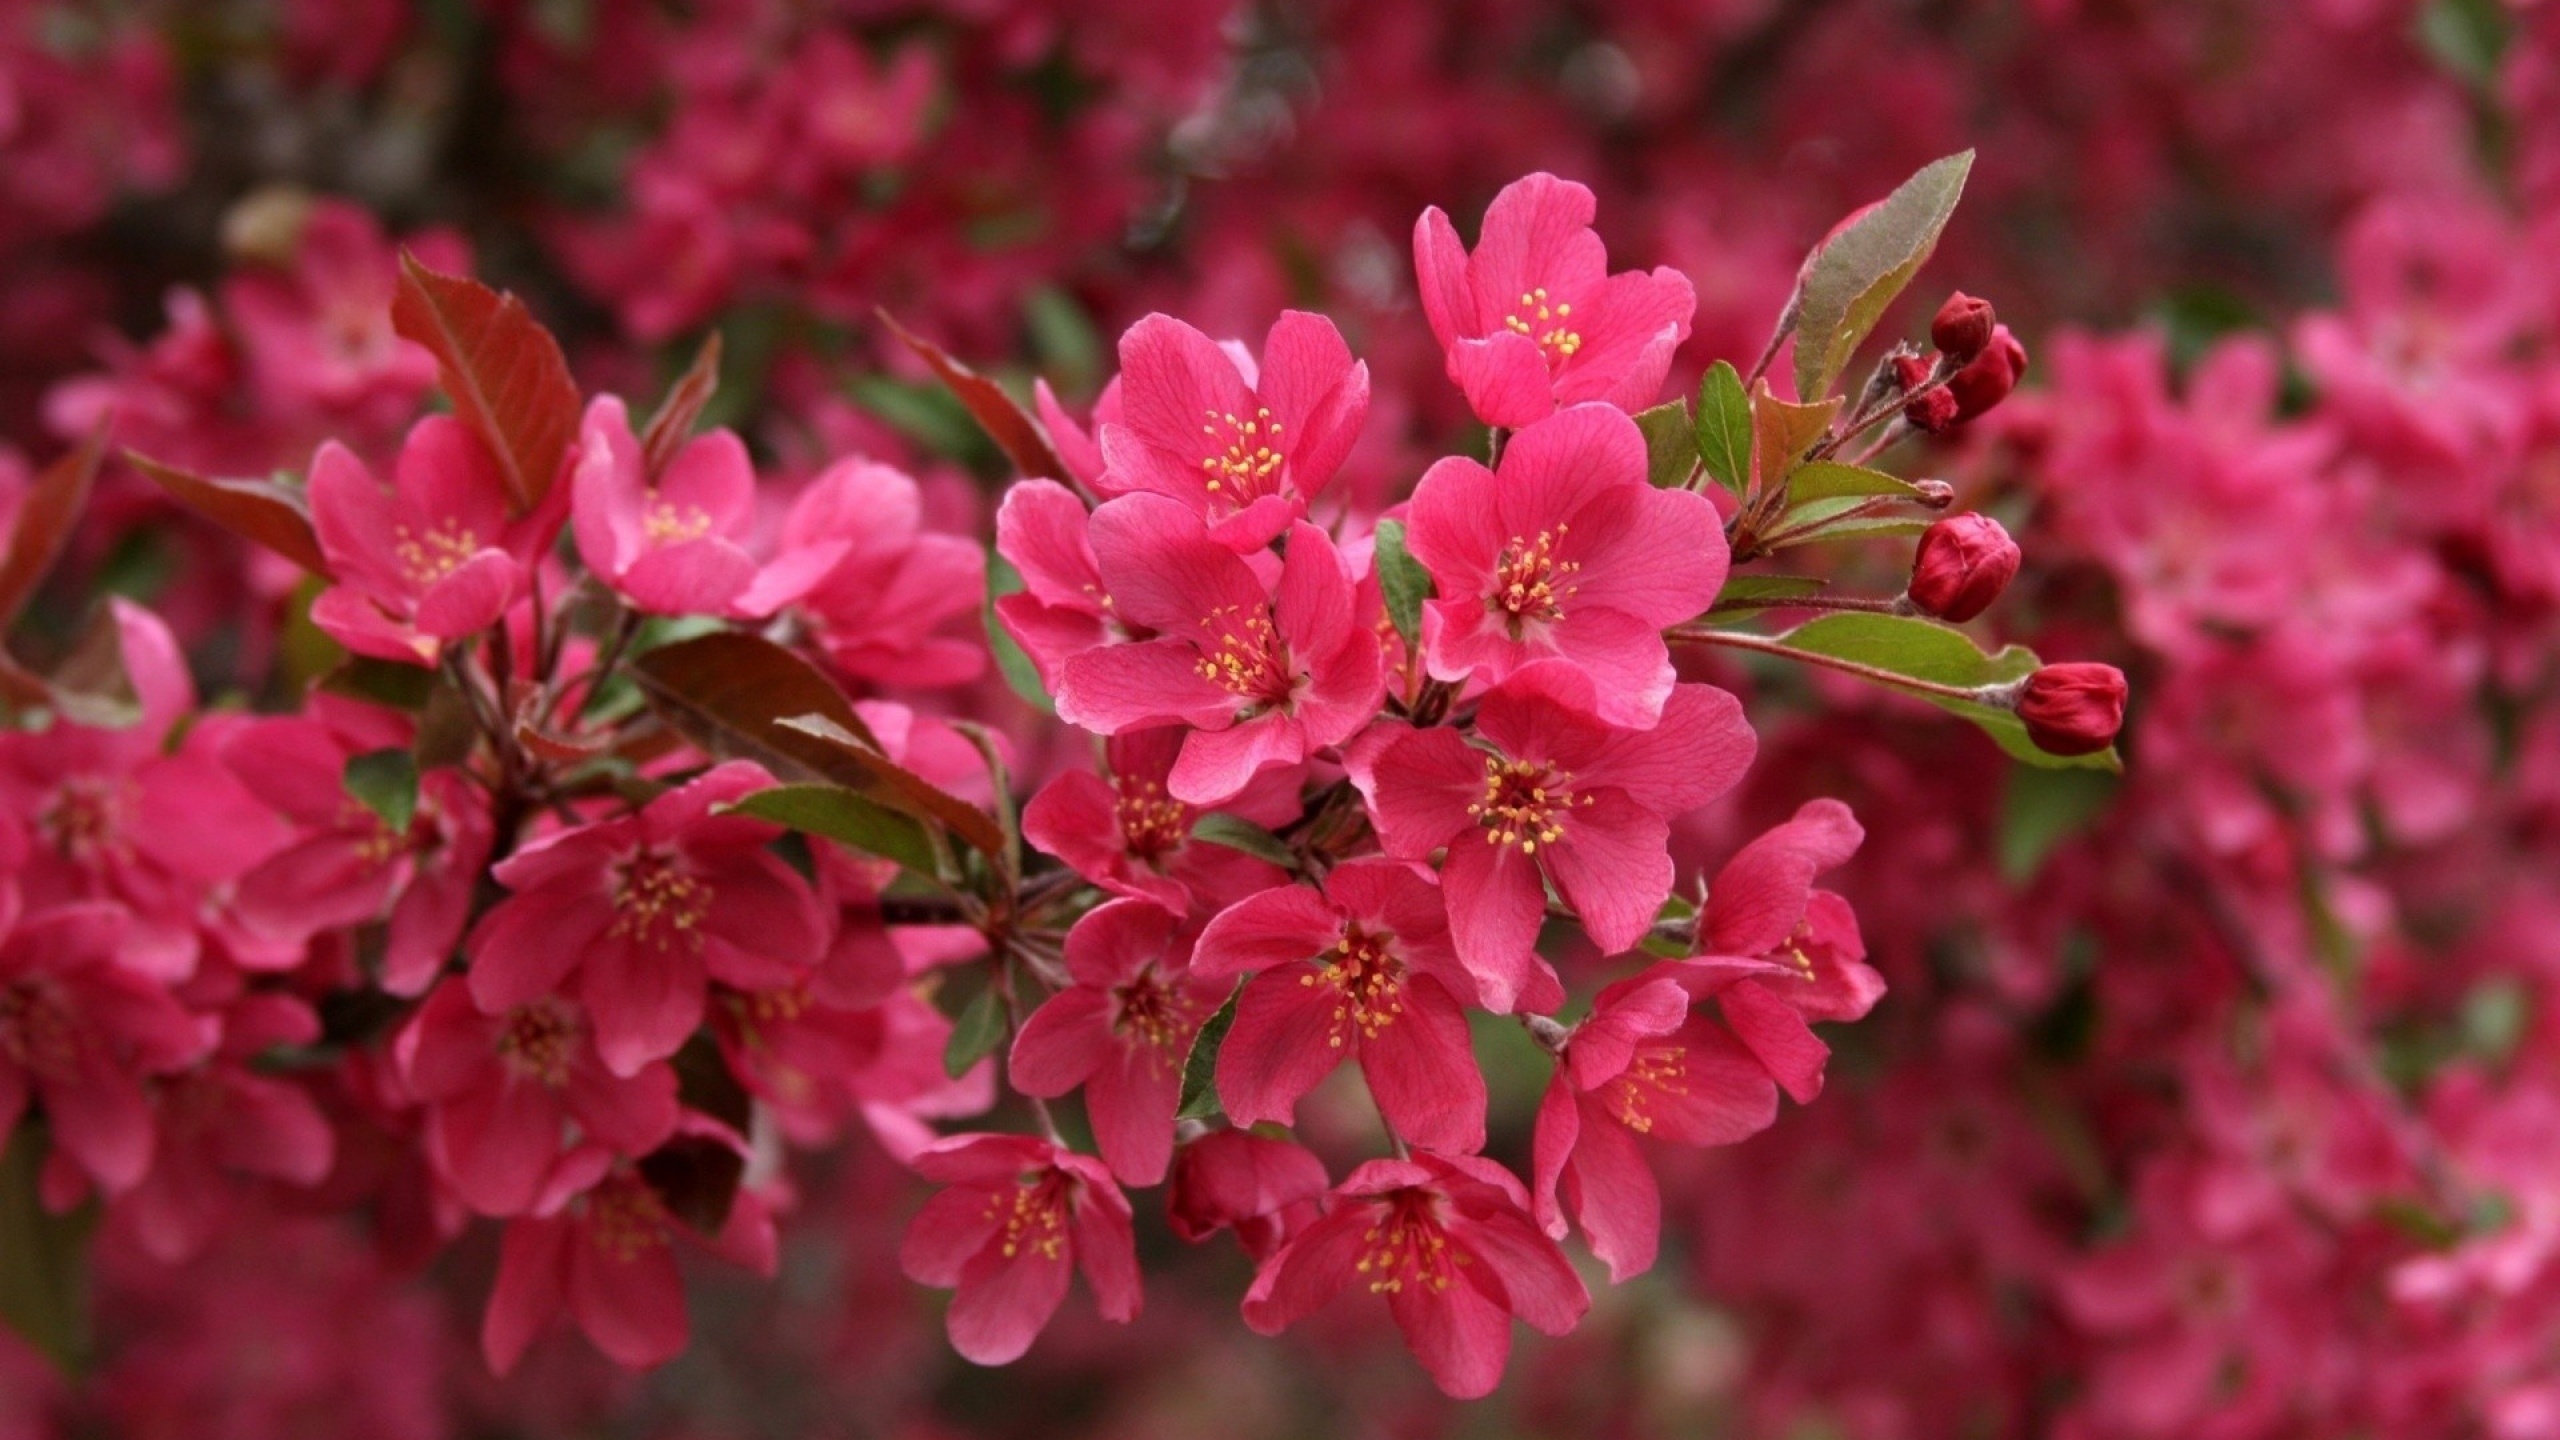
point(1990, 377)
point(1962, 565)
point(2073, 709)
point(1963, 327)
point(1932, 412)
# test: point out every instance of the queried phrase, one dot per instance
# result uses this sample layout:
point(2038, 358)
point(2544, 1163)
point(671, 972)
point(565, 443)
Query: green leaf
point(1012, 661)
point(1759, 592)
point(2039, 809)
point(1924, 650)
point(1859, 272)
point(1670, 444)
point(845, 817)
point(1724, 427)
point(1200, 1067)
point(1830, 479)
point(386, 782)
point(1219, 828)
point(43, 1258)
point(1834, 518)
point(975, 1035)
point(1403, 581)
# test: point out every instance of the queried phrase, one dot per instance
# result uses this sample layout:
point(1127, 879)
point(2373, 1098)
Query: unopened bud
point(1932, 412)
point(1991, 375)
point(1962, 565)
point(1963, 327)
point(2074, 708)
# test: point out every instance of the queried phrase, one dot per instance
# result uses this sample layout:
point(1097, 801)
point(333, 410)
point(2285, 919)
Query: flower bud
point(1963, 327)
point(1962, 565)
point(1990, 376)
point(1932, 412)
point(2073, 709)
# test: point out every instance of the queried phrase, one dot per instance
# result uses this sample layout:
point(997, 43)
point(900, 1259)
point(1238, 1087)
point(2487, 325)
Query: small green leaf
point(975, 1035)
point(1670, 444)
point(2039, 809)
point(1759, 592)
point(386, 683)
point(43, 1258)
point(1829, 479)
point(1219, 828)
point(1402, 580)
point(845, 817)
point(1924, 650)
point(1012, 661)
point(1860, 270)
point(1724, 427)
point(386, 783)
point(1200, 1067)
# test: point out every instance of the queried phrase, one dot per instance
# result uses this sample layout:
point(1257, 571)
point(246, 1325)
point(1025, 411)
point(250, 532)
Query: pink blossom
point(1263, 1189)
point(1122, 1031)
point(643, 911)
point(1360, 970)
point(1567, 551)
point(1532, 320)
point(1127, 834)
point(315, 327)
point(1556, 795)
point(226, 1130)
point(1062, 610)
point(1449, 1242)
point(427, 560)
point(1016, 1214)
point(891, 585)
point(1243, 447)
point(672, 543)
point(1264, 676)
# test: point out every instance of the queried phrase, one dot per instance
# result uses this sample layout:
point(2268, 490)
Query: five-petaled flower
point(670, 542)
point(427, 560)
point(1126, 833)
point(1017, 1214)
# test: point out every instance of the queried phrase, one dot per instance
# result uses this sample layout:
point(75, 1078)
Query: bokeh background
point(2218, 1101)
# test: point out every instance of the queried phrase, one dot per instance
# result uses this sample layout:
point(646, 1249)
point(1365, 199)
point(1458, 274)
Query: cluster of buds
point(1978, 363)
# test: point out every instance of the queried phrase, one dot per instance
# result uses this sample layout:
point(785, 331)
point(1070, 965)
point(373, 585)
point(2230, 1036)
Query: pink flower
point(1532, 320)
point(316, 326)
point(1567, 552)
point(501, 1090)
point(227, 1131)
point(891, 585)
point(1122, 1031)
point(1244, 451)
point(1128, 835)
point(1079, 446)
point(1361, 970)
point(1640, 1064)
point(1018, 1212)
point(670, 543)
point(431, 558)
point(1557, 794)
point(1263, 1189)
point(1776, 953)
point(1263, 677)
point(1061, 610)
point(643, 910)
point(1448, 1241)
point(78, 1031)
point(347, 866)
point(600, 1245)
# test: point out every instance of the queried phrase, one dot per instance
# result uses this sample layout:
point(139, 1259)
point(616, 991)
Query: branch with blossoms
point(622, 879)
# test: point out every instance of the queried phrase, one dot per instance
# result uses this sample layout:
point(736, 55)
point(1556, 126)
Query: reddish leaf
point(673, 424)
point(1006, 423)
point(273, 515)
point(504, 372)
point(732, 693)
point(44, 524)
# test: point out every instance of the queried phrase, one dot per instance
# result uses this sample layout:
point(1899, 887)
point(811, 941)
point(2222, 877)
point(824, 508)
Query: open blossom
point(643, 911)
point(891, 586)
point(226, 1129)
point(1776, 953)
point(1566, 551)
point(1557, 796)
point(1642, 1064)
point(78, 1032)
point(600, 1247)
point(1263, 677)
point(500, 1092)
point(430, 558)
point(1061, 611)
point(1532, 320)
point(1122, 1031)
point(346, 865)
point(1449, 1242)
point(1243, 447)
point(1126, 833)
point(1018, 1213)
point(670, 543)
point(315, 327)
point(1360, 970)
